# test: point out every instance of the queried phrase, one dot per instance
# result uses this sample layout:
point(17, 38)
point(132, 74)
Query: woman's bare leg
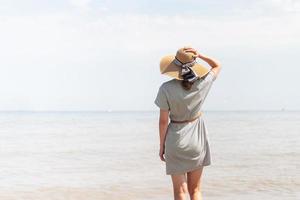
point(179, 186)
point(194, 180)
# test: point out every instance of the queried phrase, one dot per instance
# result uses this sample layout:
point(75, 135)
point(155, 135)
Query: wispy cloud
point(67, 51)
point(282, 5)
point(81, 4)
point(80, 37)
point(57, 34)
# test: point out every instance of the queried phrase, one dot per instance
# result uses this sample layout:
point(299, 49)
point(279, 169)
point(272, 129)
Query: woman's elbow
point(163, 121)
point(217, 64)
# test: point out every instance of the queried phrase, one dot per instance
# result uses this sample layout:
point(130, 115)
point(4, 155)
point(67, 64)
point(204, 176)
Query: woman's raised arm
point(215, 65)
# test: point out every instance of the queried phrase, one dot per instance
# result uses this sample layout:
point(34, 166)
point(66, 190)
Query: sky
point(79, 55)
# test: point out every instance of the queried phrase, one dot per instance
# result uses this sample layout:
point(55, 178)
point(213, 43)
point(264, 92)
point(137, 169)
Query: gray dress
point(187, 144)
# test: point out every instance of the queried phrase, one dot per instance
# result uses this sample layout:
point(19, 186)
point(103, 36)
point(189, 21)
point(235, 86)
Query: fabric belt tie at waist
point(189, 120)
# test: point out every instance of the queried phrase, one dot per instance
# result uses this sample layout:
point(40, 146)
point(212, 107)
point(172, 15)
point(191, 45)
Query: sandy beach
point(59, 193)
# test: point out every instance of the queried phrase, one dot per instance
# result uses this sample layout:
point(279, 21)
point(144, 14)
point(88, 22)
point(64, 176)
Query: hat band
point(186, 72)
point(180, 64)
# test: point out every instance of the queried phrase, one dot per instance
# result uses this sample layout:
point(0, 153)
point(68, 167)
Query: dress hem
point(187, 170)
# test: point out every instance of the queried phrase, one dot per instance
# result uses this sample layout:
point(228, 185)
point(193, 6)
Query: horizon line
point(116, 111)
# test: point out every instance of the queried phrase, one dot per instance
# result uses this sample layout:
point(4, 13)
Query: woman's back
point(184, 104)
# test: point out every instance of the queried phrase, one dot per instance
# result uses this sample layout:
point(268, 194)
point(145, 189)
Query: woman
point(184, 143)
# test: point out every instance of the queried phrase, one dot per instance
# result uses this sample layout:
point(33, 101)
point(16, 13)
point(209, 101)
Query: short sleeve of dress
point(210, 77)
point(161, 99)
point(208, 82)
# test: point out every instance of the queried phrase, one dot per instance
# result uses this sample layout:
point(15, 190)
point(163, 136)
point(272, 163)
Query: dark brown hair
point(186, 85)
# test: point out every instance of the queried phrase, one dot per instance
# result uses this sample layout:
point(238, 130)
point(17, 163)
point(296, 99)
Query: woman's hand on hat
point(192, 50)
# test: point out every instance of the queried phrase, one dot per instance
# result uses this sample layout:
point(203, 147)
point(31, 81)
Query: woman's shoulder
point(169, 83)
point(210, 76)
point(204, 81)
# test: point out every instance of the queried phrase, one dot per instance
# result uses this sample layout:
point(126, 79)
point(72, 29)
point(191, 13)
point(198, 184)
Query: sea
point(115, 155)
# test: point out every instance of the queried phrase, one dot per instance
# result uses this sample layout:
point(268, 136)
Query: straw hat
point(170, 66)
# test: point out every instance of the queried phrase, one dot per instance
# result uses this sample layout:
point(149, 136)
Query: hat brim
point(169, 68)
